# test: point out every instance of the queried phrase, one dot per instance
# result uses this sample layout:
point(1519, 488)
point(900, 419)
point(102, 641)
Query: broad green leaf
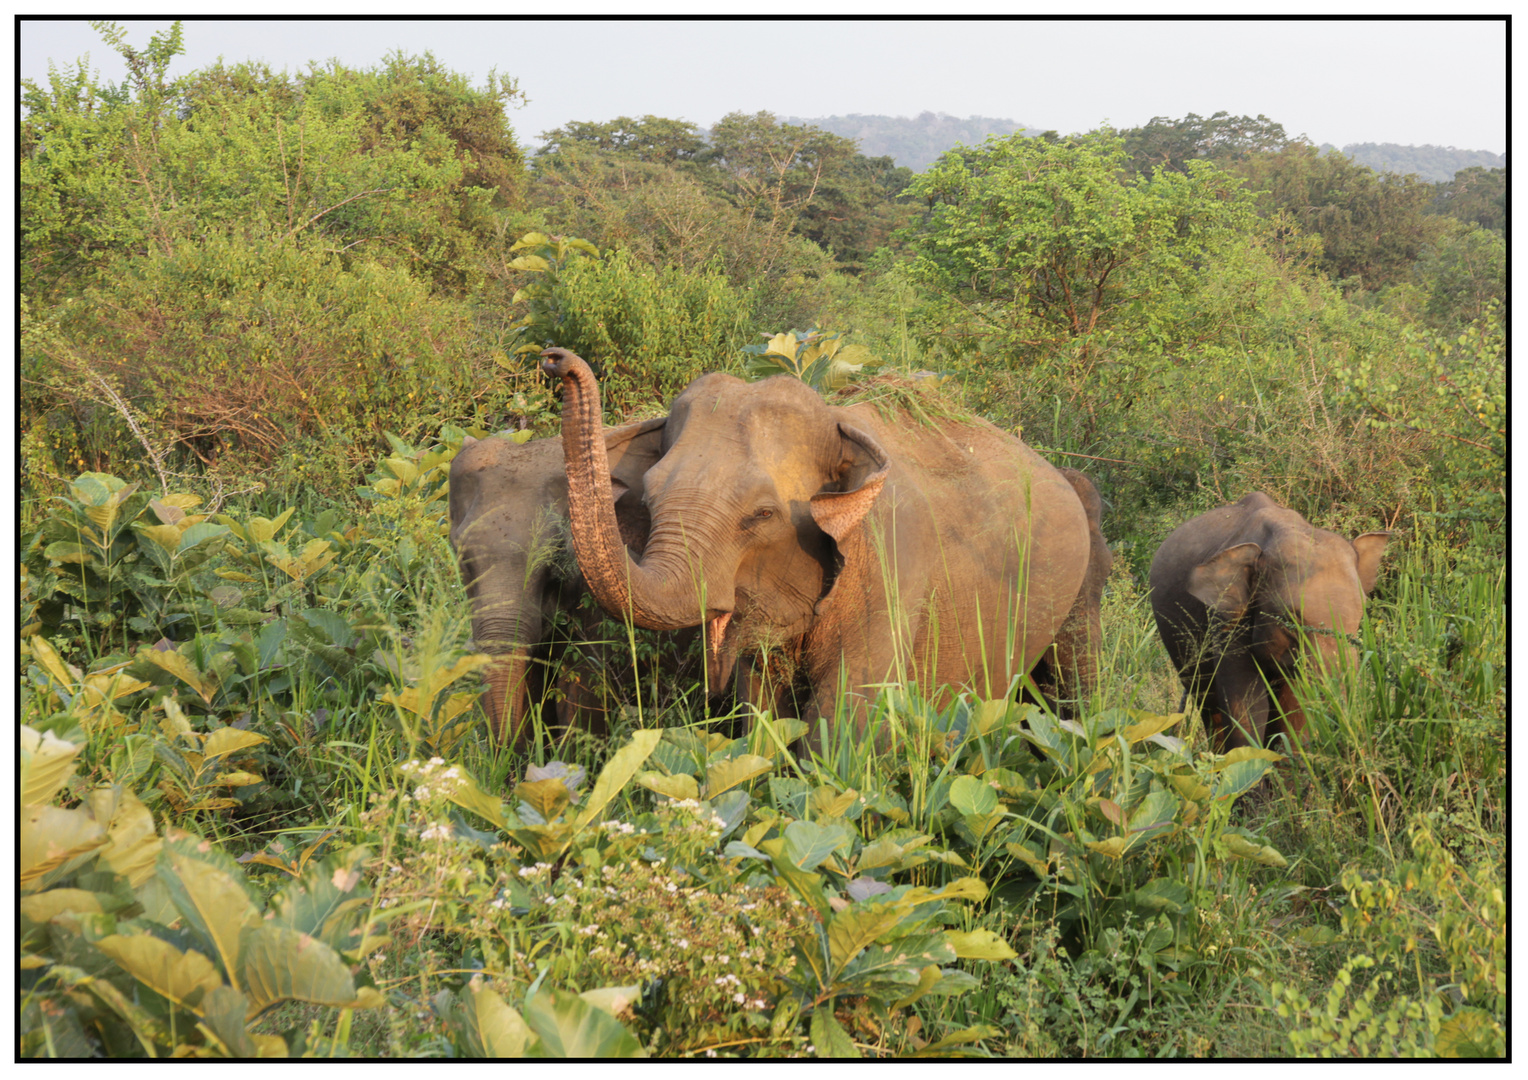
point(831, 1040)
point(229, 740)
point(828, 802)
point(498, 1030)
point(966, 888)
point(1240, 777)
point(621, 767)
point(734, 771)
point(808, 843)
point(973, 796)
point(532, 263)
point(1247, 753)
point(52, 836)
point(166, 536)
point(806, 884)
point(1149, 724)
point(544, 842)
point(40, 907)
point(224, 1013)
point(979, 945)
point(214, 905)
point(472, 798)
point(132, 846)
point(65, 551)
point(570, 1027)
point(1162, 894)
point(926, 980)
point(857, 927)
point(678, 786)
point(47, 763)
point(199, 534)
point(183, 977)
point(1244, 848)
point(546, 797)
point(1114, 847)
point(1154, 813)
point(1031, 856)
point(1188, 785)
point(181, 668)
point(280, 964)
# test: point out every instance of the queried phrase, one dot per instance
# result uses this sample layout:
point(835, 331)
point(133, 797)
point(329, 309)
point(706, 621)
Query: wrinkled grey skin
point(1230, 589)
point(1068, 671)
point(873, 550)
point(508, 505)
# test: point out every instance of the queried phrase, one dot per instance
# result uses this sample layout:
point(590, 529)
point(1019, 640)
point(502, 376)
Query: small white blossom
point(436, 832)
point(683, 943)
point(739, 997)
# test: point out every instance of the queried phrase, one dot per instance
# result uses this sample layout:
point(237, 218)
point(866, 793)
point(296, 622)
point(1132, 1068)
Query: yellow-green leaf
point(47, 763)
point(183, 977)
point(546, 797)
point(181, 668)
point(979, 945)
point(678, 786)
point(621, 767)
point(734, 771)
point(228, 740)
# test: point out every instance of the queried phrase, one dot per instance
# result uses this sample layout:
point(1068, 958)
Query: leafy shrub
point(647, 333)
point(1433, 927)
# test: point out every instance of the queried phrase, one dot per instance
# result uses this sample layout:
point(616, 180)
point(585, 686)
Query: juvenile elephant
point(508, 505)
point(1242, 595)
point(1068, 671)
point(875, 548)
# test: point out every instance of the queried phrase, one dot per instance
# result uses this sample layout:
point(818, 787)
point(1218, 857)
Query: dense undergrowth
point(261, 814)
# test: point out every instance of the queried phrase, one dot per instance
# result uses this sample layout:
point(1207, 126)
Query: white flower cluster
point(438, 831)
point(617, 828)
point(445, 780)
point(534, 871)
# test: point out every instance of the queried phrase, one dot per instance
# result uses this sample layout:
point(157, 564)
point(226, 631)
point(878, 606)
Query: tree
point(1046, 247)
point(1172, 144)
point(1373, 226)
point(1477, 195)
point(652, 139)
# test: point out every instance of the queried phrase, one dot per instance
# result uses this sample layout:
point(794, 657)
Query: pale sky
point(1344, 81)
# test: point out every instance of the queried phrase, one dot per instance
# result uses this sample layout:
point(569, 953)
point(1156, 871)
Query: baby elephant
point(1245, 592)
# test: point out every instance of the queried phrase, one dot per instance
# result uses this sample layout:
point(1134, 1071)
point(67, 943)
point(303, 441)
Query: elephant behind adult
point(1246, 592)
point(508, 508)
point(876, 548)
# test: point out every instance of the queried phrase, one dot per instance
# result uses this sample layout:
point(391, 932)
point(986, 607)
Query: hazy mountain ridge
point(917, 142)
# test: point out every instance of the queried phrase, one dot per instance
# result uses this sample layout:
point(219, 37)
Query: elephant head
point(745, 504)
point(1246, 593)
point(508, 509)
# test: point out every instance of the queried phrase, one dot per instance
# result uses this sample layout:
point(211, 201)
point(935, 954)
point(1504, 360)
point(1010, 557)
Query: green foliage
point(135, 944)
point(1045, 248)
point(1432, 927)
point(913, 143)
point(1171, 144)
point(821, 360)
point(1476, 196)
point(647, 333)
point(1373, 226)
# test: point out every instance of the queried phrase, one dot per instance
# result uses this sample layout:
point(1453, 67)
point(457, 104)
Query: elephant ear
point(1223, 583)
point(856, 482)
point(1369, 547)
point(632, 450)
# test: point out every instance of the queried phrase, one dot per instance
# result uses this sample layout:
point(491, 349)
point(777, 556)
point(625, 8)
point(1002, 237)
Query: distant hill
point(915, 143)
point(1435, 163)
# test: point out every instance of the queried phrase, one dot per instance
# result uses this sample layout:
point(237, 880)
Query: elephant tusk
point(715, 629)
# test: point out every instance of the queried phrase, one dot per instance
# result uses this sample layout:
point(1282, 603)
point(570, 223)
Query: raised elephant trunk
point(658, 598)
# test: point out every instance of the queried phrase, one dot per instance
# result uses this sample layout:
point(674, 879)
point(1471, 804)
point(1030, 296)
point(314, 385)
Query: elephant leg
point(1291, 714)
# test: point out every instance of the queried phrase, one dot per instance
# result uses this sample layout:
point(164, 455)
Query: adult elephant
point(508, 507)
point(875, 548)
point(1067, 673)
point(1242, 596)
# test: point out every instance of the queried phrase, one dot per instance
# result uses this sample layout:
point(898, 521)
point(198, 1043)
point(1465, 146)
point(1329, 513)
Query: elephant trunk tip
point(561, 363)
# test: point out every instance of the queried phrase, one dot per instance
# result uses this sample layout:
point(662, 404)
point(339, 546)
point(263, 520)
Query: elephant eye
point(762, 514)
